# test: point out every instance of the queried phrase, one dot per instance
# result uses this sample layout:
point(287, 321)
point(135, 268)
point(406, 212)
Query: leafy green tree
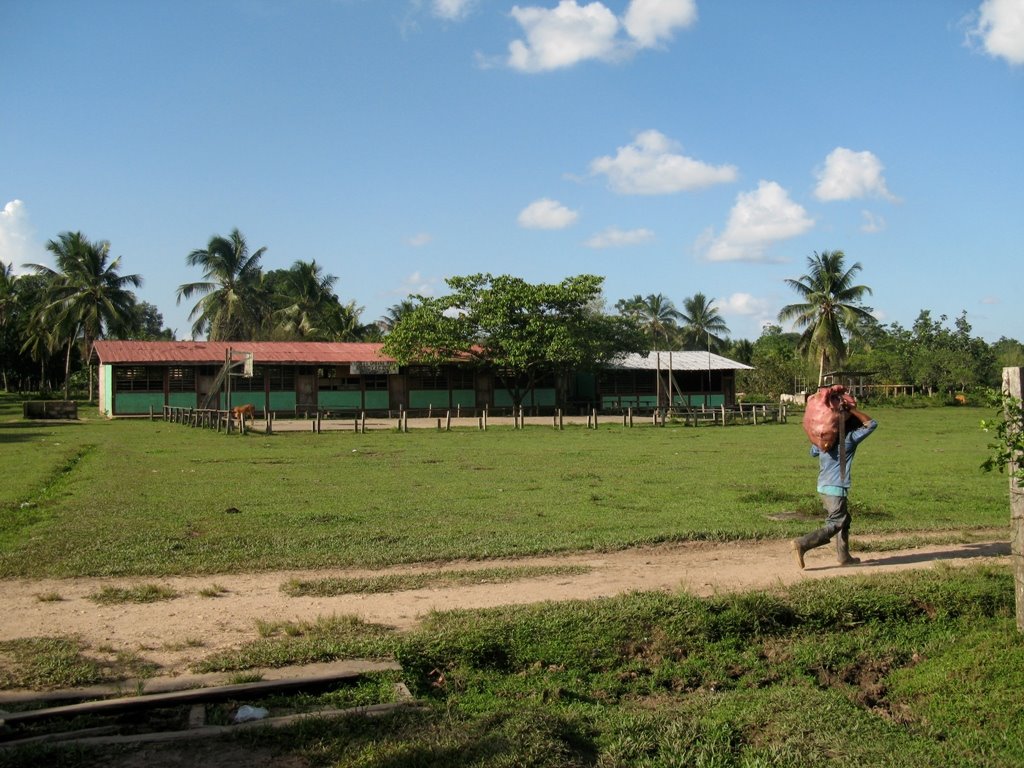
point(517, 330)
point(234, 305)
point(86, 296)
point(1009, 353)
point(777, 364)
point(830, 309)
point(703, 326)
point(149, 324)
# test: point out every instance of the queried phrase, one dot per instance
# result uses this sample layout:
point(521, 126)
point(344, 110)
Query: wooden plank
point(173, 698)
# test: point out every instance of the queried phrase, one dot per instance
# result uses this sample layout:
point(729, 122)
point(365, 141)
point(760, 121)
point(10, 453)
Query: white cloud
point(871, 222)
point(650, 22)
point(419, 239)
point(17, 242)
point(562, 36)
point(452, 10)
point(651, 165)
point(848, 175)
point(546, 214)
point(1000, 29)
point(757, 220)
point(416, 284)
point(991, 300)
point(613, 237)
point(570, 33)
point(744, 304)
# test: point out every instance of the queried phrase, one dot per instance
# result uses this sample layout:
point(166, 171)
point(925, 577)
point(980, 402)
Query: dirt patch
point(175, 633)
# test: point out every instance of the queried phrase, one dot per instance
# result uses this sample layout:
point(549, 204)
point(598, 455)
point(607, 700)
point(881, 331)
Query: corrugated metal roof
point(213, 352)
point(678, 361)
point(317, 352)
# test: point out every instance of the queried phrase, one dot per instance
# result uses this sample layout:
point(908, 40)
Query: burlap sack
point(826, 410)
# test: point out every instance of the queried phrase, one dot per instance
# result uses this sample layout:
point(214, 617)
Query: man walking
point(834, 488)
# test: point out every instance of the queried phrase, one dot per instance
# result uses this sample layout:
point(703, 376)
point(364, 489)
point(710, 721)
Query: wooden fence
point(403, 420)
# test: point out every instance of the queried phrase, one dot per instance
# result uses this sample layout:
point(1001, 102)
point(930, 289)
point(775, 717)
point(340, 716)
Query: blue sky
point(671, 146)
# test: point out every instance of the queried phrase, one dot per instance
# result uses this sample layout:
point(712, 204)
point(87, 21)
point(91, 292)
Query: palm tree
point(831, 306)
point(395, 313)
point(86, 297)
point(309, 300)
point(702, 325)
point(232, 304)
point(655, 313)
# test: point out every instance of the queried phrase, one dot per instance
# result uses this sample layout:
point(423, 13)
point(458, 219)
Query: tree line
point(50, 317)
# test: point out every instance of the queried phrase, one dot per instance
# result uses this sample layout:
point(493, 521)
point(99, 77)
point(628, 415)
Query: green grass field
point(913, 669)
point(151, 498)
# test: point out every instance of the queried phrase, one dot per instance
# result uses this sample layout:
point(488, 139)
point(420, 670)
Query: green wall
point(539, 397)
point(127, 403)
point(183, 400)
point(349, 400)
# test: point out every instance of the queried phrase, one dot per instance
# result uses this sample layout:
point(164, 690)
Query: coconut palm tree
point(655, 313)
point(702, 325)
point(232, 306)
point(395, 313)
point(308, 299)
point(86, 297)
point(831, 307)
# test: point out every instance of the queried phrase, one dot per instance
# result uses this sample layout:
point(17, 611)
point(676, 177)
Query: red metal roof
point(213, 352)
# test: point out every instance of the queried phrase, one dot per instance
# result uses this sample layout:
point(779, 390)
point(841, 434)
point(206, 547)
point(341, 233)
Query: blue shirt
point(831, 481)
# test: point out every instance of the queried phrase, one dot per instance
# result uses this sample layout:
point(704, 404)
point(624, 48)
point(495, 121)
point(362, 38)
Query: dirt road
point(176, 632)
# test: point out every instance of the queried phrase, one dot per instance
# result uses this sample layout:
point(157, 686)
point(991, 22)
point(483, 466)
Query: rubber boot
point(810, 541)
point(843, 549)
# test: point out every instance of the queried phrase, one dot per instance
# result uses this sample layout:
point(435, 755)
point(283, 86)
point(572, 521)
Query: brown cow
point(241, 411)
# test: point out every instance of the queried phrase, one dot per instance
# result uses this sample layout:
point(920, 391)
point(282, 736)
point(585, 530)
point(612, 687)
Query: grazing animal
point(241, 411)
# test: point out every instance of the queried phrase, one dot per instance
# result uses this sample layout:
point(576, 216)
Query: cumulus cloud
point(651, 22)
point(570, 33)
point(757, 220)
point(652, 165)
point(744, 304)
point(847, 175)
point(17, 242)
point(613, 237)
point(452, 10)
point(546, 214)
point(1000, 29)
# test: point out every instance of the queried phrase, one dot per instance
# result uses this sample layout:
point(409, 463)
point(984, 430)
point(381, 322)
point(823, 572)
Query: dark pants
point(837, 522)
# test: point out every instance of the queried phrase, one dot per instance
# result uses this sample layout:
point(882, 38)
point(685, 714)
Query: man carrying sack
point(836, 427)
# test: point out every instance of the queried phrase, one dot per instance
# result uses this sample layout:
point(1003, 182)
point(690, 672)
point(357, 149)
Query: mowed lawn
point(137, 497)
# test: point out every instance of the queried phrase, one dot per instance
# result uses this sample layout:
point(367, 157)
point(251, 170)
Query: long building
point(304, 377)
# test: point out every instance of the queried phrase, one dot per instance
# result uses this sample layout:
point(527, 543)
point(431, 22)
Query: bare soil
point(178, 632)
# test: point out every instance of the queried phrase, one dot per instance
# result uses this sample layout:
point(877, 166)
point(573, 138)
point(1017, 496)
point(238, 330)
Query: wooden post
point(362, 422)
point(448, 422)
point(595, 418)
point(1013, 385)
point(630, 411)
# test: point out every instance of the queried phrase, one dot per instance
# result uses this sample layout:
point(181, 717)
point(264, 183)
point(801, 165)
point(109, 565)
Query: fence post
point(1013, 384)
point(448, 422)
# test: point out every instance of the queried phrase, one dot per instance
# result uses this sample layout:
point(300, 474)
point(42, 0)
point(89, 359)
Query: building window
point(181, 379)
point(462, 378)
point(421, 377)
point(282, 378)
point(252, 383)
point(376, 383)
point(139, 378)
